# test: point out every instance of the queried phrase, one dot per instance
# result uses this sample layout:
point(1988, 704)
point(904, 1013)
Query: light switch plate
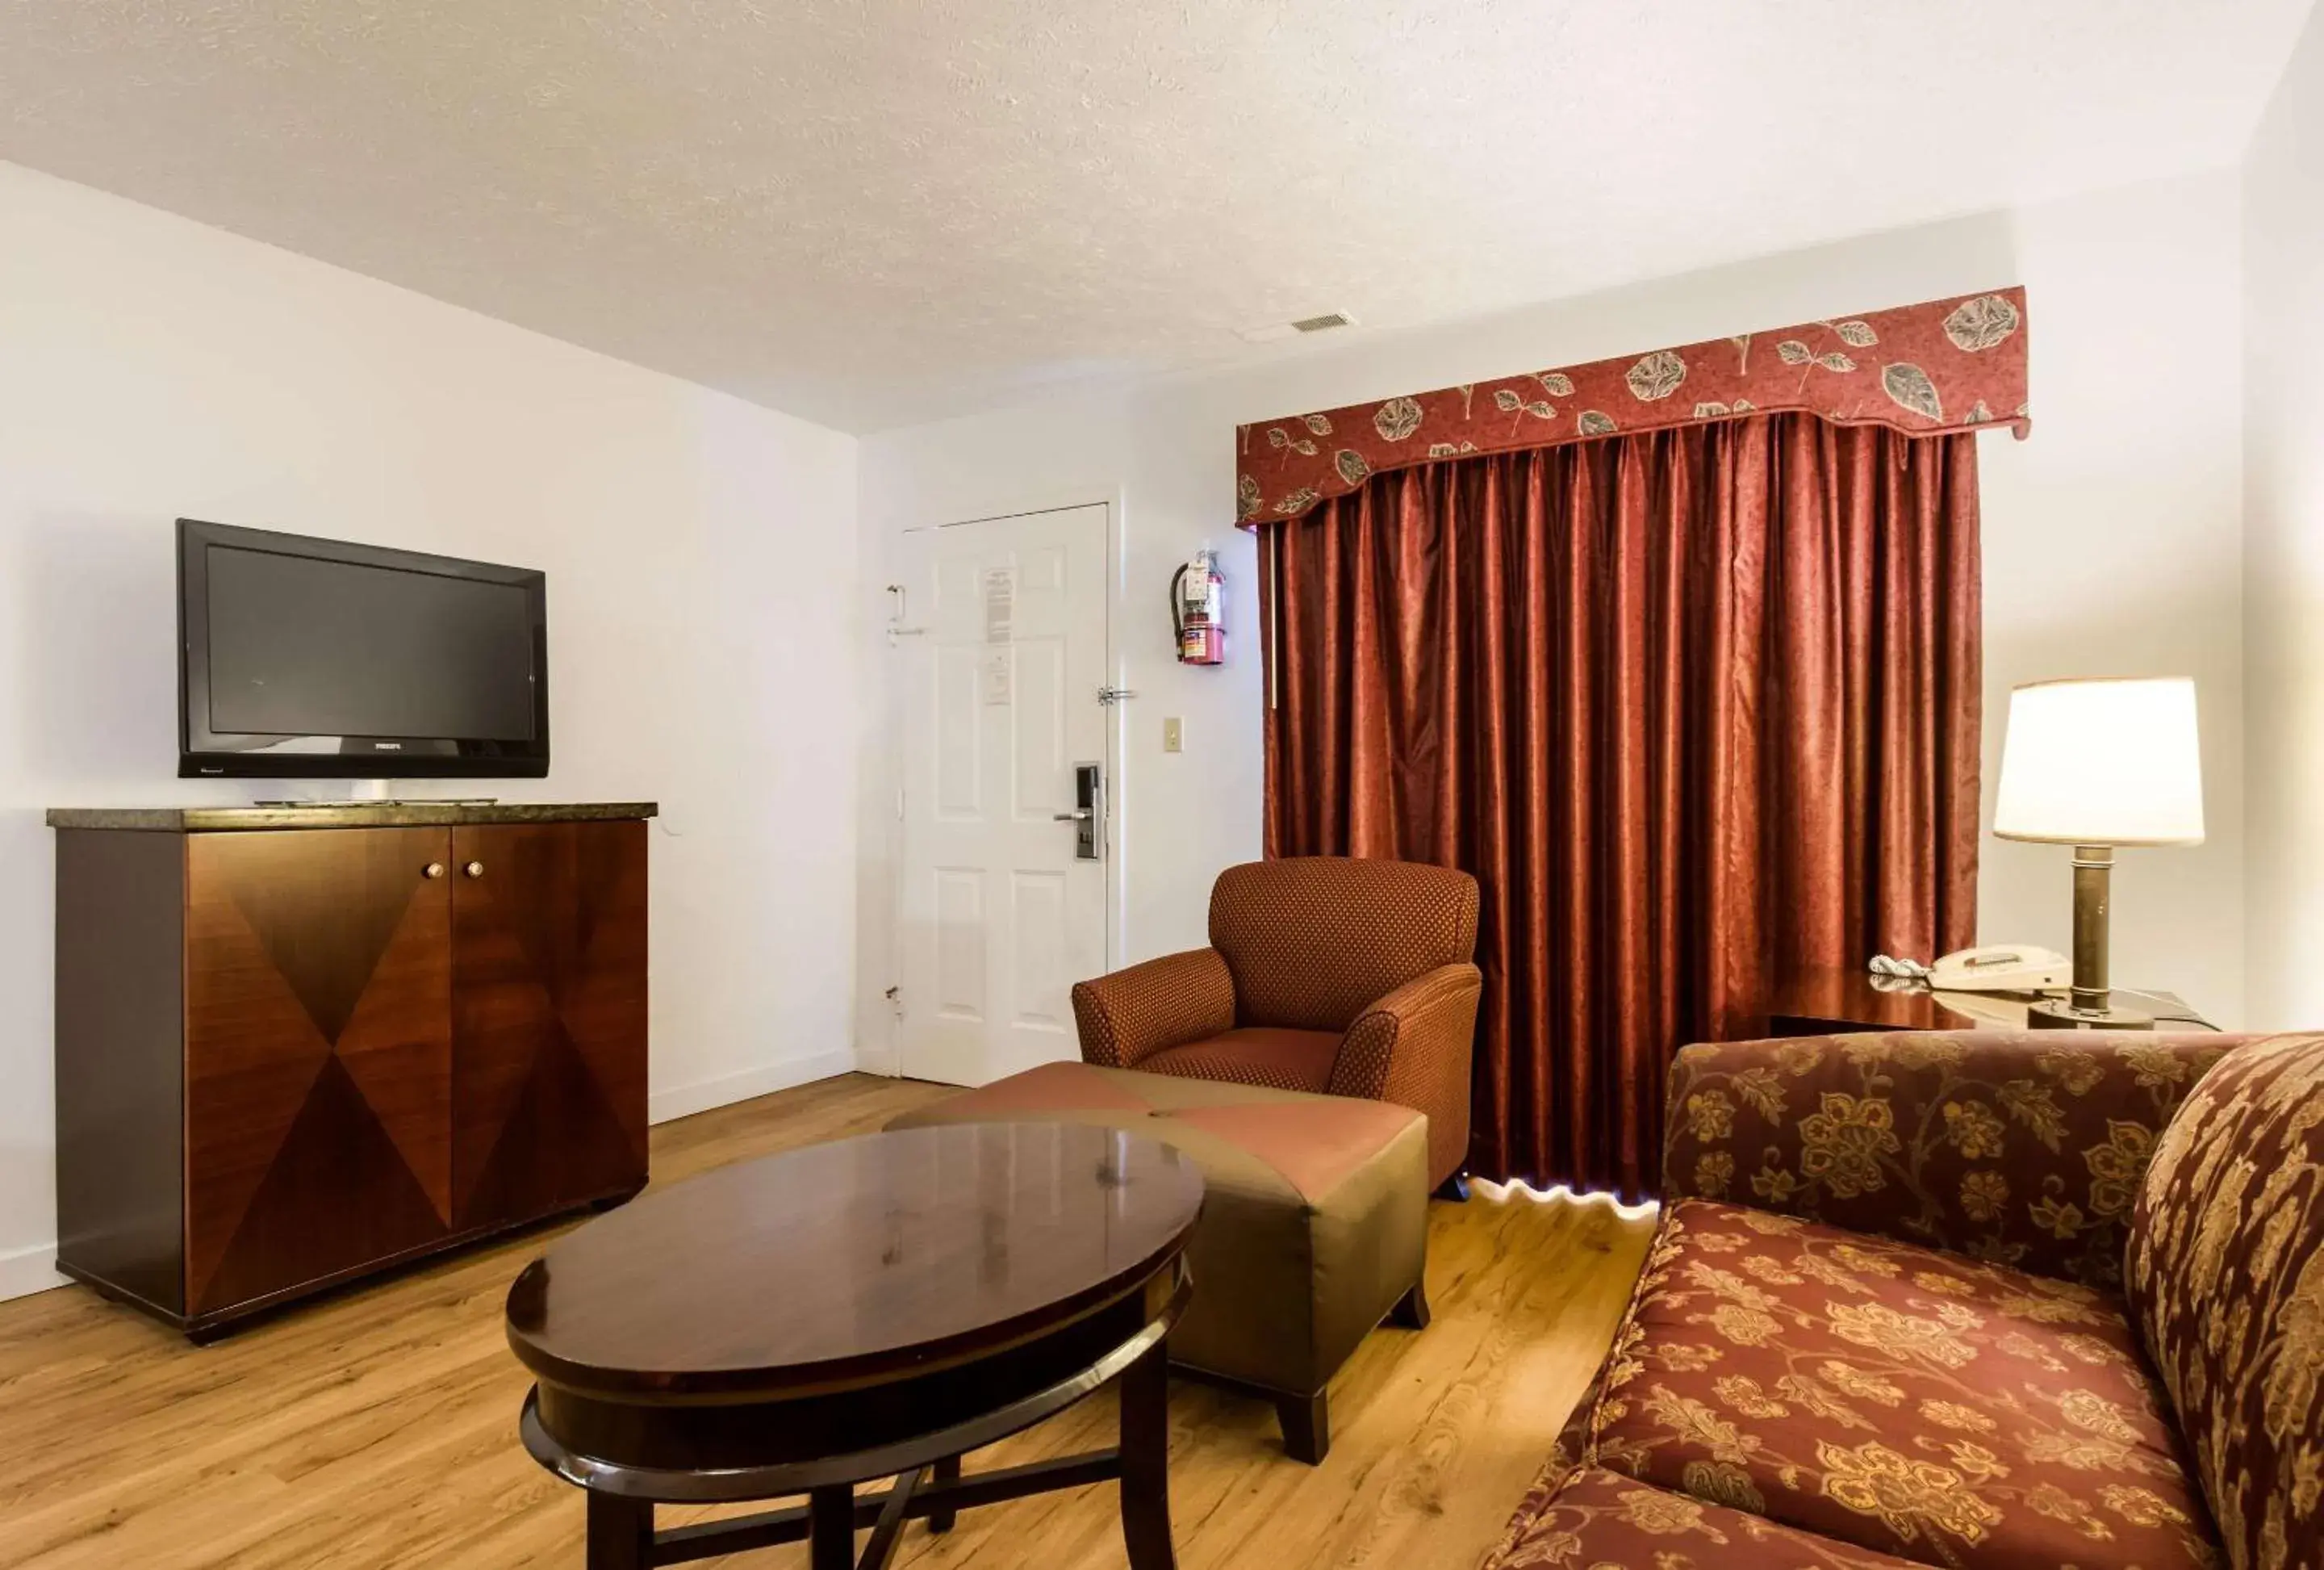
point(1173, 734)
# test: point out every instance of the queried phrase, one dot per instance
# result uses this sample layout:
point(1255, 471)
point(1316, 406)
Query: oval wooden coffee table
point(871, 1308)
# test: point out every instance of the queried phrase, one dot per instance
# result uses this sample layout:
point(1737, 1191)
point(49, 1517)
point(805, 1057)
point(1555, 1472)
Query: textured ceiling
point(875, 214)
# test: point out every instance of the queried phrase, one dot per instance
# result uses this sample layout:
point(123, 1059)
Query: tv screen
point(322, 657)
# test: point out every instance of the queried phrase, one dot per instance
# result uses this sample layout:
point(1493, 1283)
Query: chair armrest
point(2025, 1147)
point(1138, 1010)
point(1412, 1048)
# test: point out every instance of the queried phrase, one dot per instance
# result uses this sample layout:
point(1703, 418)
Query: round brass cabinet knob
point(432, 870)
point(475, 868)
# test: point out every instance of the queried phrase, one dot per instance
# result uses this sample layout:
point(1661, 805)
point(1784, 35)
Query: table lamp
point(2097, 764)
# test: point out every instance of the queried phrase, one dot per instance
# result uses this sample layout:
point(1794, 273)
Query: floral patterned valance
point(1948, 366)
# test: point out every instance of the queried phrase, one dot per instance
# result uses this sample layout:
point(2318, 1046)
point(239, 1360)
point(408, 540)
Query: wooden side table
point(1835, 1000)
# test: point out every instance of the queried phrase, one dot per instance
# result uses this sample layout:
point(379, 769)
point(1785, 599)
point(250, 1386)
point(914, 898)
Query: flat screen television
point(301, 658)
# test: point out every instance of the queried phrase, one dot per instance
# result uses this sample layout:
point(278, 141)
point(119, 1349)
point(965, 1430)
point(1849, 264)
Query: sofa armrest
point(1137, 1012)
point(1412, 1048)
point(2025, 1147)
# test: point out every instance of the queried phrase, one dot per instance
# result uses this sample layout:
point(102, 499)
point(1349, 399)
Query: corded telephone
point(1999, 967)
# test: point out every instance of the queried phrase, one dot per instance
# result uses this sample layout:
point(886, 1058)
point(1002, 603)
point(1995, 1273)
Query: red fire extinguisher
point(1198, 609)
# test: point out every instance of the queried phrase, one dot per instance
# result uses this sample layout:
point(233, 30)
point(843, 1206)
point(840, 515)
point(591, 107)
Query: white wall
point(2284, 576)
point(2113, 546)
point(2133, 463)
point(700, 552)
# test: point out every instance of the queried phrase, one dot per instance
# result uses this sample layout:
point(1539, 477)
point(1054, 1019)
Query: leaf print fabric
point(1904, 369)
point(1396, 419)
point(1910, 387)
point(1656, 377)
point(1977, 325)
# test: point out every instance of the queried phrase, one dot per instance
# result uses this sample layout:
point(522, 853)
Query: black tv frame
point(203, 754)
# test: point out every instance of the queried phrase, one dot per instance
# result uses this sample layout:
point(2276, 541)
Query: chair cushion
point(1278, 1059)
point(2226, 1279)
point(1595, 1518)
point(1910, 1402)
point(1312, 941)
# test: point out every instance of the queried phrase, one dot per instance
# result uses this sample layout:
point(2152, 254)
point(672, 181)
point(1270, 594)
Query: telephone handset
point(1997, 967)
point(2001, 967)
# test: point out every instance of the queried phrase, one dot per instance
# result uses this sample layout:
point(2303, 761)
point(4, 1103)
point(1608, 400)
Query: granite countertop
point(344, 815)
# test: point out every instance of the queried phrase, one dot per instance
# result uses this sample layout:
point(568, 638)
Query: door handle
point(1079, 815)
point(432, 870)
point(475, 868)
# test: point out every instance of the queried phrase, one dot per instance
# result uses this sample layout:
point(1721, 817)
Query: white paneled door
point(1000, 637)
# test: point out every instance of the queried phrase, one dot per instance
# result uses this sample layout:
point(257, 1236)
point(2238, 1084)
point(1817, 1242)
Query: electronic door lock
point(1088, 813)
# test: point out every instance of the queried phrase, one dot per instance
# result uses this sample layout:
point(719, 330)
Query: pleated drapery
point(1696, 707)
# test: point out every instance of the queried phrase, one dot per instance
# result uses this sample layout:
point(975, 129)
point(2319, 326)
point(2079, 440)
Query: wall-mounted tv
point(301, 658)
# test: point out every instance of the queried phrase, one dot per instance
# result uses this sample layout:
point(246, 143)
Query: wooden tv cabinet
point(295, 1045)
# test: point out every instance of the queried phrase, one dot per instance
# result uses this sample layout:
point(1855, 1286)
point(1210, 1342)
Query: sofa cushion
point(1914, 1402)
point(1278, 1059)
point(1600, 1519)
point(2226, 1280)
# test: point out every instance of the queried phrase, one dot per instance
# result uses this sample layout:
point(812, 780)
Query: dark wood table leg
point(831, 1529)
point(620, 1532)
point(1146, 1462)
point(946, 1471)
point(1307, 1425)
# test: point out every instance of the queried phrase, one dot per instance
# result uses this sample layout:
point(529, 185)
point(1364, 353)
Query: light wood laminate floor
point(378, 1429)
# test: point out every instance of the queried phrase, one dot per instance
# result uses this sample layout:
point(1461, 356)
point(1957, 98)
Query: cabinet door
point(319, 1058)
point(549, 990)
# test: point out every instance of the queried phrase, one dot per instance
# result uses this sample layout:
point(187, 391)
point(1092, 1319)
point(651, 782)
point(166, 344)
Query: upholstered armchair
point(1323, 973)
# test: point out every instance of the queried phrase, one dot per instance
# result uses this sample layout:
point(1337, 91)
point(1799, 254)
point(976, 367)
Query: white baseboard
point(685, 1100)
point(25, 1271)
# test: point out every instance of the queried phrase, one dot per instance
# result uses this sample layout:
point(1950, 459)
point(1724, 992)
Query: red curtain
point(1694, 706)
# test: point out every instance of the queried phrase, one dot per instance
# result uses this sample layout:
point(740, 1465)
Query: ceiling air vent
point(1275, 331)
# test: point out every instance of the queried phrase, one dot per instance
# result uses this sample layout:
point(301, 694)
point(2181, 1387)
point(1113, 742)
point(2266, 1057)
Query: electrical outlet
point(1173, 734)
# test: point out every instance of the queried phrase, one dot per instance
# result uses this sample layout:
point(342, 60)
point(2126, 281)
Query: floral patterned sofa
point(1998, 1301)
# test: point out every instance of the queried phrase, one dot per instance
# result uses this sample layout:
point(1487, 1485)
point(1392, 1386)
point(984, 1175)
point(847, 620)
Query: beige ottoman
point(1314, 1229)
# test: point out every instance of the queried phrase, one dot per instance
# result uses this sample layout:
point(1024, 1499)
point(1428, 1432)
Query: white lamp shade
point(2102, 762)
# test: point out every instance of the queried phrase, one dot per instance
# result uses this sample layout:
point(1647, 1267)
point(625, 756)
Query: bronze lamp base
point(2063, 1014)
point(2090, 1005)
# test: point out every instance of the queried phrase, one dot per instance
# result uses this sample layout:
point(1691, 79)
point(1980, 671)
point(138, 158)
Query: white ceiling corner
point(870, 215)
